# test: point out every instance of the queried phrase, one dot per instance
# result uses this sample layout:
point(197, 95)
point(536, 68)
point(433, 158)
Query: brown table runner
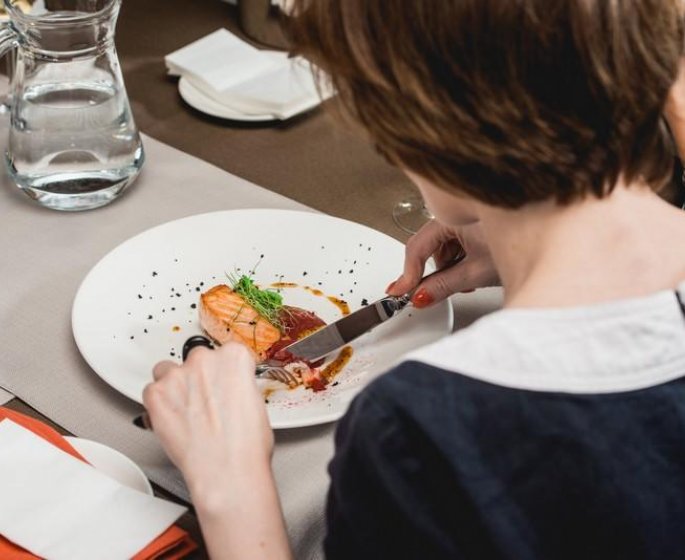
point(308, 159)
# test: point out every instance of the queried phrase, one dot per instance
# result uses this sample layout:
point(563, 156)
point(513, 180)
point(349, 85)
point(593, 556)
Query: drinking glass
point(73, 143)
point(410, 214)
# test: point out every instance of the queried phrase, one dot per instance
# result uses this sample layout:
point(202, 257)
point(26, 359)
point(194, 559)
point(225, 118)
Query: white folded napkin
point(246, 79)
point(58, 507)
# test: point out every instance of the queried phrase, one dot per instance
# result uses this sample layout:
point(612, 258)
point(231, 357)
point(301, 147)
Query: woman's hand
point(209, 414)
point(211, 419)
point(446, 244)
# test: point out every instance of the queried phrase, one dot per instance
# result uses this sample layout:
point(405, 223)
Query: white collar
point(616, 346)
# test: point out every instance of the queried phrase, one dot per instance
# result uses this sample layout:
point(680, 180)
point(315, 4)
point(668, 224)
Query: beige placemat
point(46, 254)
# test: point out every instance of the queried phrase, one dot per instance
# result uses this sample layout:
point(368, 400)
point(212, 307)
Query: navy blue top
point(433, 464)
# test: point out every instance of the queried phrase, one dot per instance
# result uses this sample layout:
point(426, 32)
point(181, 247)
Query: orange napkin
point(173, 544)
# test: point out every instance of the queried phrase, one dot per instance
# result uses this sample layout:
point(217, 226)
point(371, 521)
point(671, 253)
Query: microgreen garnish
point(268, 303)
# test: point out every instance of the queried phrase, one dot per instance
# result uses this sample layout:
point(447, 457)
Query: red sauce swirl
point(297, 323)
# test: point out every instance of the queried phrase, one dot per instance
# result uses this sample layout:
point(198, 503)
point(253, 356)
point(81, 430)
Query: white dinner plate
point(112, 463)
point(139, 303)
point(199, 100)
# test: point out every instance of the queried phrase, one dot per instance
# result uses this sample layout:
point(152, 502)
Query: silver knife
point(336, 335)
point(343, 331)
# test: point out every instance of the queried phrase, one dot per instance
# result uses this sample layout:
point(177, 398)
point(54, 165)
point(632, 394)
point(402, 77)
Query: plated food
point(258, 318)
point(124, 323)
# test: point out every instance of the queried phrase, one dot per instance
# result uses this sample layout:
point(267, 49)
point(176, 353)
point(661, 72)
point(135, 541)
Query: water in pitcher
point(73, 143)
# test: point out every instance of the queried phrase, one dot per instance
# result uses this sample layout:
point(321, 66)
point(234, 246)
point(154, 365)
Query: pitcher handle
point(9, 38)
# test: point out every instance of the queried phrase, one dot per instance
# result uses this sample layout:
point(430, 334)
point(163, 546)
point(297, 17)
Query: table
point(307, 159)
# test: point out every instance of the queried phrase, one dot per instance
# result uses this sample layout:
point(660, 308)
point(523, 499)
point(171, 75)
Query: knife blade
point(343, 331)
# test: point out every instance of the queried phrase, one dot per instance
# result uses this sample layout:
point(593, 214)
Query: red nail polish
point(422, 298)
point(390, 286)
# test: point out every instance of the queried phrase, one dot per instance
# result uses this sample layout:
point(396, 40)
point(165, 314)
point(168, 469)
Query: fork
point(273, 369)
point(268, 369)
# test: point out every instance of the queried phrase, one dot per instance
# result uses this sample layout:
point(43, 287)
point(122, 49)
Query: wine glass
point(410, 214)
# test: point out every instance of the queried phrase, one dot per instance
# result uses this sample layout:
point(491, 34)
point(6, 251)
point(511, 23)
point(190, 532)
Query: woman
point(554, 428)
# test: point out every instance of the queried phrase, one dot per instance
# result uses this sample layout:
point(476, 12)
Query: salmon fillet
point(225, 315)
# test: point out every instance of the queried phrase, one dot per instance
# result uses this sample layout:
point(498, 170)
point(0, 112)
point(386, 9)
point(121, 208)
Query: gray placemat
point(5, 397)
point(46, 254)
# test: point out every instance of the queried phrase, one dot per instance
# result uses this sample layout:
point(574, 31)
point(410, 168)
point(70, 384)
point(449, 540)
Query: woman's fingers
point(448, 253)
point(162, 368)
point(441, 285)
point(461, 256)
point(419, 249)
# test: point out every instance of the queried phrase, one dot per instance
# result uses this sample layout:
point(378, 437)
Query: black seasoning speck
point(163, 310)
point(266, 401)
point(149, 317)
point(150, 298)
point(354, 262)
point(351, 271)
point(145, 331)
point(193, 305)
point(187, 284)
point(173, 309)
point(214, 277)
point(409, 315)
point(131, 337)
point(339, 271)
point(365, 301)
point(178, 295)
point(154, 273)
point(175, 260)
point(360, 244)
point(354, 283)
point(172, 354)
point(140, 297)
point(197, 289)
point(253, 322)
point(129, 313)
point(323, 247)
point(335, 384)
point(202, 283)
point(369, 249)
point(261, 256)
point(351, 291)
point(304, 273)
point(319, 284)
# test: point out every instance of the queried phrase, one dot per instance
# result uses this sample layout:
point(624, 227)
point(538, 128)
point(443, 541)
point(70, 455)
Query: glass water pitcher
point(73, 143)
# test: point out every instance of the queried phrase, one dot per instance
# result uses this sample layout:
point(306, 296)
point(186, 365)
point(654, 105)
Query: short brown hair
point(508, 101)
